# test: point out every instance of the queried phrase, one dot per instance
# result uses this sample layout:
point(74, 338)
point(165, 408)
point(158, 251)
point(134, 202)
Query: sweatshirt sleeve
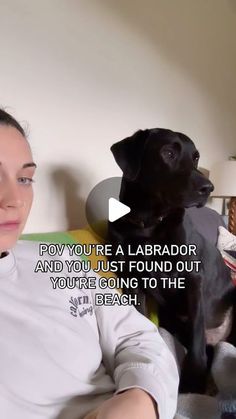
point(135, 355)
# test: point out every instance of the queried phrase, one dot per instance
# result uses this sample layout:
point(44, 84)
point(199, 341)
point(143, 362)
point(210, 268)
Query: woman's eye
point(25, 180)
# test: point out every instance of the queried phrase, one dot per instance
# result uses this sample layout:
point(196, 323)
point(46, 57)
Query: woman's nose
point(10, 196)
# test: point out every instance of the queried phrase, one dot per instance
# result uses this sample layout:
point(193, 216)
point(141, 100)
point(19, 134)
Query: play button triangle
point(116, 209)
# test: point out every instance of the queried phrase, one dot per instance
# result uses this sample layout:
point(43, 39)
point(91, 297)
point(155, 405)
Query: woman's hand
point(130, 404)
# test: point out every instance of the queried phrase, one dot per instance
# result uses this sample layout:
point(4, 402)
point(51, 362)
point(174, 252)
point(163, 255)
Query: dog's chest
point(216, 334)
point(220, 333)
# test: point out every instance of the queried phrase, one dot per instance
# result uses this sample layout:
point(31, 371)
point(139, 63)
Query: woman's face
point(16, 192)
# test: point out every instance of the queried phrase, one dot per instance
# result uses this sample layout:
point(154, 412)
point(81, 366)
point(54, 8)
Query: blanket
point(223, 404)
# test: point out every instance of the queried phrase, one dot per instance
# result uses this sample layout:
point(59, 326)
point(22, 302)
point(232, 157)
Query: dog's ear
point(128, 153)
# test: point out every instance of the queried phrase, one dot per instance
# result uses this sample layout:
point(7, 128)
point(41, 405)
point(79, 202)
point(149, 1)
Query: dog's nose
point(206, 189)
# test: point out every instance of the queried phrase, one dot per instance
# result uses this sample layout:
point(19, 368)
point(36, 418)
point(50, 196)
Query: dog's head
point(164, 164)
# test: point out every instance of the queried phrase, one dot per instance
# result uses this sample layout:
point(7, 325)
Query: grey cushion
point(206, 222)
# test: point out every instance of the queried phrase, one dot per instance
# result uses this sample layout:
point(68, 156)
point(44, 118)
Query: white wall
point(85, 74)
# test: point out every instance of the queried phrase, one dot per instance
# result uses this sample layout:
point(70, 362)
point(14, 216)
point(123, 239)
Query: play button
point(117, 209)
point(103, 205)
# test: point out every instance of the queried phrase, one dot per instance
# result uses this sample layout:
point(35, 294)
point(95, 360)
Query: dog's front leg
point(194, 371)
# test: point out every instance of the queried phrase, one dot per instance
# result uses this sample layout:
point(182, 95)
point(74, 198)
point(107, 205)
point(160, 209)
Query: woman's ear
point(128, 153)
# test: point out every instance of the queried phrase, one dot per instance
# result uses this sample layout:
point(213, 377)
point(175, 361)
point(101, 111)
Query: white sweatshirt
point(61, 356)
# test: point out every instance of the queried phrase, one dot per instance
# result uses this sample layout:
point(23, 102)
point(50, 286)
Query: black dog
point(161, 179)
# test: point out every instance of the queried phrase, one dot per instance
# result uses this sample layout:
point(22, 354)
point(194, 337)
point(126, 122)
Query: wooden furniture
point(223, 177)
point(232, 215)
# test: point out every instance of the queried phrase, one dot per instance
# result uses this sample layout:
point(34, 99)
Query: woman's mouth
point(9, 225)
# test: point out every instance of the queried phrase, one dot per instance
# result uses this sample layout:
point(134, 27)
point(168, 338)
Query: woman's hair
point(7, 119)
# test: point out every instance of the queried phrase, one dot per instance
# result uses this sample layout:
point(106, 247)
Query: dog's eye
point(168, 154)
point(171, 155)
point(196, 157)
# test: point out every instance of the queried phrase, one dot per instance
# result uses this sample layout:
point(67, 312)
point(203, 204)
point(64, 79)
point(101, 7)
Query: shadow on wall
point(67, 185)
point(197, 36)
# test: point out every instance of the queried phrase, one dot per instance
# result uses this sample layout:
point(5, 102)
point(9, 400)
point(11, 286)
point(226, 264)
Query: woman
point(98, 363)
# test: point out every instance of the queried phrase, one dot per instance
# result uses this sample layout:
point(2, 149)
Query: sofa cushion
point(206, 222)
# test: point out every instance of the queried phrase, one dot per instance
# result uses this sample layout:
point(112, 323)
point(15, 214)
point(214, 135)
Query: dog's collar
point(153, 222)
